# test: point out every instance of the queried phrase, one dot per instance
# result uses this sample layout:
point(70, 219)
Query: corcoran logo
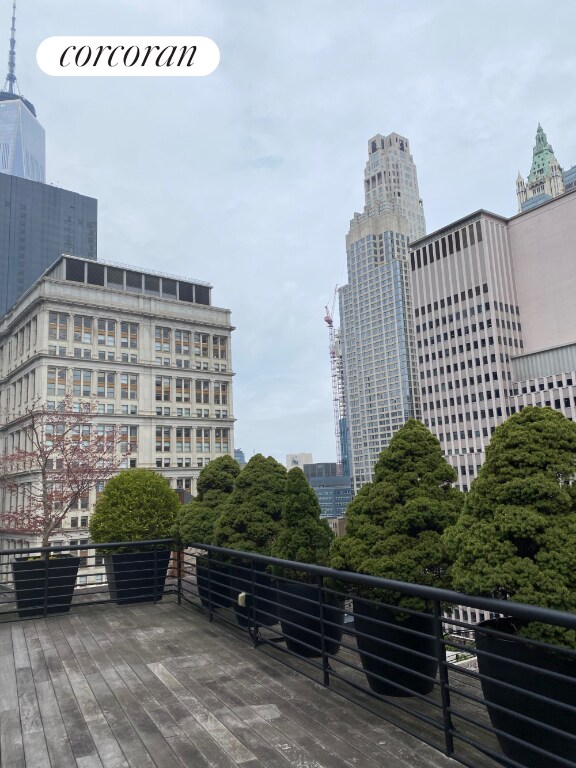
point(128, 56)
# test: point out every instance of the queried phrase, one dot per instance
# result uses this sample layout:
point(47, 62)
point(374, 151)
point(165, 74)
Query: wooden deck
point(146, 686)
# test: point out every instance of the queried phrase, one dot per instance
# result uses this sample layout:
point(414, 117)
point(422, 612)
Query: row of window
point(449, 244)
point(180, 439)
point(107, 332)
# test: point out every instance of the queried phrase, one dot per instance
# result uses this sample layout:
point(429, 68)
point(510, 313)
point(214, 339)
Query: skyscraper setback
point(22, 141)
point(376, 313)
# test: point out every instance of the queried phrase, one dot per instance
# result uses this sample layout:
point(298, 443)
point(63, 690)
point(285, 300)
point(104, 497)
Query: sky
point(248, 178)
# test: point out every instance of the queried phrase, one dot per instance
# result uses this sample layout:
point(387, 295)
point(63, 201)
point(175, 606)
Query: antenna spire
point(11, 76)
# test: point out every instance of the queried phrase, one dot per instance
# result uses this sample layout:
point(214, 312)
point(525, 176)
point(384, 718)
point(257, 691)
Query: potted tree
point(306, 611)
point(196, 524)
point(249, 522)
point(516, 540)
point(55, 458)
point(136, 505)
point(394, 530)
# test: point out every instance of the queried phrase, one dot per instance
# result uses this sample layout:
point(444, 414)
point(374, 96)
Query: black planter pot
point(299, 613)
point(37, 580)
point(260, 588)
point(366, 616)
point(131, 575)
point(213, 581)
point(532, 681)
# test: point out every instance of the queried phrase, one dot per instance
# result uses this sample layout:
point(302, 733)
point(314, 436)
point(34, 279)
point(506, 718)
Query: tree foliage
point(215, 483)
point(136, 505)
point(303, 536)
point(516, 538)
point(250, 517)
point(54, 459)
point(394, 525)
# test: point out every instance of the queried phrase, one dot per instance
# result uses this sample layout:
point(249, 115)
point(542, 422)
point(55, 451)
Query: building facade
point(379, 359)
point(546, 179)
point(38, 223)
point(495, 325)
point(148, 348)
point(334, 491)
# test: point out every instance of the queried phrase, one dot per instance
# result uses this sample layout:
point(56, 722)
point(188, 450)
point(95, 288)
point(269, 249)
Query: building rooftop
point(158, 685)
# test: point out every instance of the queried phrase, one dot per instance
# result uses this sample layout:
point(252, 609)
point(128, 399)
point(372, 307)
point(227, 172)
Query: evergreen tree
point(303, 536)
point(516, 538)
point(395, 524)
point(136, 504)
point(215, 483)
point(250, 517)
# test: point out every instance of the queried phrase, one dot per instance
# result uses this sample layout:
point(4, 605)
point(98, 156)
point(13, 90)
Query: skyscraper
point(376, 313)
point(22, 141)
point(38, 222)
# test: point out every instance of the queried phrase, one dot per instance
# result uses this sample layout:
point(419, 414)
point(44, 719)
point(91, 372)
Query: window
point(129, 386)
point(201, 344)
point(221, 439)
point(162, 388)
point(106, 384)
point(202, 440)
point(129, 335)
point(162, 439)
point(81, 382)
point(162, 339)
point(220, 393)
point(129, 439)
point(58, 326)
point(182, 342)
point(107, 333)
point(183, 390)
point(202, 391)
point(56, 384)
point(183, 439)
point(83, 329)
point(219, 347)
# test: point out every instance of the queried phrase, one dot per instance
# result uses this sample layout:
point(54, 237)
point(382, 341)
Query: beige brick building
point(148, 347)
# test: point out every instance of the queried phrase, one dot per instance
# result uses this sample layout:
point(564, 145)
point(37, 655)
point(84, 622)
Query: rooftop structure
point(546, 179)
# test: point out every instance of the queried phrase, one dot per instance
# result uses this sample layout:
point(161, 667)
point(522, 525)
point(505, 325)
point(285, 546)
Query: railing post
point(210, 610)
point(444, 682)
point(325, 660)
point(155, 574)
point(44, 559)
point(179, 564)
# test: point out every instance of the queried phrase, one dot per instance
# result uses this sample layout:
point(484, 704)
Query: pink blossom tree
point(51, 459)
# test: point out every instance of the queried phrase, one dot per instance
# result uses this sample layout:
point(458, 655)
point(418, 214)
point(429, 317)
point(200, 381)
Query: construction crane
point(337, 380)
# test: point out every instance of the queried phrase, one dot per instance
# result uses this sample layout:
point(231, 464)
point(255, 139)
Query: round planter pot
point(36, 580)
point(213, 582)
point(532, 681)
point(133, 577)
point(260, 587)
point(366, 616)
point(299, 613)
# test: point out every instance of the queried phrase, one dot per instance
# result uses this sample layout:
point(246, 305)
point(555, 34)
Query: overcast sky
point(248, 178)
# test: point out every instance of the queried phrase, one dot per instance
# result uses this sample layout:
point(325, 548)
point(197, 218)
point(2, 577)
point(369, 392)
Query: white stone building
point(148, 347)
point(376, 330)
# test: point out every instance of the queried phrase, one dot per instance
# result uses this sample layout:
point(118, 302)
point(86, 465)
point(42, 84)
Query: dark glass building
point(334, 491)
point(38, 223)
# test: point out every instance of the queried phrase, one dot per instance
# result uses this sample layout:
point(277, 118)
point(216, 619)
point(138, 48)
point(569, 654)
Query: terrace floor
point(148, 685)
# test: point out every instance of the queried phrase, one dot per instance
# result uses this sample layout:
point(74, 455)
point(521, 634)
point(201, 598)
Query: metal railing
point(450, 682)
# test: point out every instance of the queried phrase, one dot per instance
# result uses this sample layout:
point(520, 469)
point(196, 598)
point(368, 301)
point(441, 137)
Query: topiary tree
point(215, 483)
point(136, 505)
point(250, 517)
point(395, 524)
point(303, 536)
point(516, 538)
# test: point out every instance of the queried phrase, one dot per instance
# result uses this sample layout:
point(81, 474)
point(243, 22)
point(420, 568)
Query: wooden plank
point(59, 749)
point(11, 743)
